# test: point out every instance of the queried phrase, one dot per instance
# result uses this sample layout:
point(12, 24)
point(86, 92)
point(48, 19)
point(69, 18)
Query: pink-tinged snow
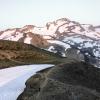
point(71, 24)
point(28, 39)
point(93, 35)
point(52, 29)
point(27, 28)
point(7, 34)
point(12, 80)
point(63, 28)
point(15, 37)
point(41, 31)
point(76, 29)
point(47, 37)
point(44, 30)
point(97, 30)
point(86, 27)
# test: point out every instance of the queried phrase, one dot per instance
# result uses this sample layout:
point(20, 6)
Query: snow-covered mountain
point(58, 36)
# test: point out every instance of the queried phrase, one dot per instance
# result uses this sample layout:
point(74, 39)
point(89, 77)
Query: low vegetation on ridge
point(17, 53)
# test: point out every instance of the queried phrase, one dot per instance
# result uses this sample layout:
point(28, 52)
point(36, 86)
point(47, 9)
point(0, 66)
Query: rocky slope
point(15, 53)
point(58, 36)
point(70, 81)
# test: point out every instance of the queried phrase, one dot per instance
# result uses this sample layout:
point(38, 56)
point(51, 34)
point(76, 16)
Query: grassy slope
point(15, 53)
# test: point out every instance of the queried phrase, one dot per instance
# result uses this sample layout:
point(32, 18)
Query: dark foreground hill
point(16, 53)
point(70, 81)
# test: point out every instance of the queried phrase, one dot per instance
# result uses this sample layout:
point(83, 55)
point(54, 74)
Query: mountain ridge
point(14, 53)
point(57, 36)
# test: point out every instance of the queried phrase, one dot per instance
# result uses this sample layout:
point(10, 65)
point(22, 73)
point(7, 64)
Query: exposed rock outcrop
point(74, 54)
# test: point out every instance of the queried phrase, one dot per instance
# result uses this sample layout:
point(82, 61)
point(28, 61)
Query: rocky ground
point(70, 81)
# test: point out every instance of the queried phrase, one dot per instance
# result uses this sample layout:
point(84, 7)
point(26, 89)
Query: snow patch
point(28, 39)
point(97, 30)
point(63, 28)
point(76, 29)
point(46, 37)
point(15, 37)
point(7, 33)
point(59, 43)
point(12, 80)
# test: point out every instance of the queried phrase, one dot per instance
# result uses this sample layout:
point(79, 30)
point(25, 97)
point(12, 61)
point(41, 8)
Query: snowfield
point(12, 80)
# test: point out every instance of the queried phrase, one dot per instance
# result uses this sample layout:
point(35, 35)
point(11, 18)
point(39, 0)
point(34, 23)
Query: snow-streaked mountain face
point(58, 36)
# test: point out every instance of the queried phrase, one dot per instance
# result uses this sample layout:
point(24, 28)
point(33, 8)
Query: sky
point(18, 13)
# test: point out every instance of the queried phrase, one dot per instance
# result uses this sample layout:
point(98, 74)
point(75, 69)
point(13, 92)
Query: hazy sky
point(16, 13)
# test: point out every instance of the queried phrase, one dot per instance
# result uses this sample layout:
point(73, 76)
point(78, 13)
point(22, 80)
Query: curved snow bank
point(12, 80)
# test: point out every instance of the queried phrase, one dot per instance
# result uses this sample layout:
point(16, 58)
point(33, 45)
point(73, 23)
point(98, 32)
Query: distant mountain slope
point(58, 36)
point(15, 53)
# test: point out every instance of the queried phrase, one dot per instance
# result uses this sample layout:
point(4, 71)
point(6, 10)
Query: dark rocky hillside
point(70, 81)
